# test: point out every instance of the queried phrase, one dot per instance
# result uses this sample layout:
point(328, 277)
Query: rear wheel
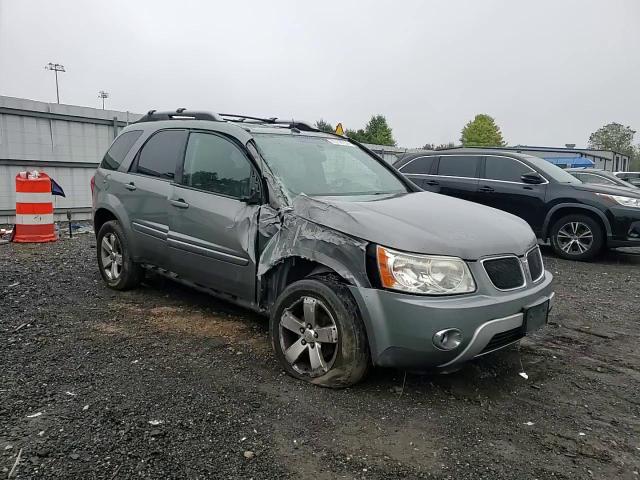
point(317, 333)
point(577, 237)
point(117, 268)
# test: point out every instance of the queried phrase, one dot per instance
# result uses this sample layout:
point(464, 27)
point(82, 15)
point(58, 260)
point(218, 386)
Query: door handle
point(432, 182)
point(130, 186)
point(486, 189)
point(179, 203)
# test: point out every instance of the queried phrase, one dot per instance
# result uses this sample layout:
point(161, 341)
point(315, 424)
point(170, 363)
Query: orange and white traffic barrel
point(34, 208)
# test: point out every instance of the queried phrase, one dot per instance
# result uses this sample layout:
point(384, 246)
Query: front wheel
point(318, 335)
point(577, 237)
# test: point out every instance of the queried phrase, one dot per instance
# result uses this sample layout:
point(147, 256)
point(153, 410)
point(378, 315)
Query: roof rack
point(241, 118)
point(180, 114)
point(184, 114)
point(293, 124)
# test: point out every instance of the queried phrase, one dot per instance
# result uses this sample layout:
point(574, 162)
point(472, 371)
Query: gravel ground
point(165, 382)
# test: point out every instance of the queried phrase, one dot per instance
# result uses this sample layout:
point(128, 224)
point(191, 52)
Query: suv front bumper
point(401, 326)
point(625, 227)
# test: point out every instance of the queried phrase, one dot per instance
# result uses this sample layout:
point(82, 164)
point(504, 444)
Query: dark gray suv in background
point(353, 263)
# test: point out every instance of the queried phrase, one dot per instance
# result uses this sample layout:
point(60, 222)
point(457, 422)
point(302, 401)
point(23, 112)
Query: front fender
point(297, 237)
point(546, 225)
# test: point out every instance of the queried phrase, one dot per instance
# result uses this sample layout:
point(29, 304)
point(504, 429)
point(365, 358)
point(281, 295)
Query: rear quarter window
point(119, 149)
point(419, 165)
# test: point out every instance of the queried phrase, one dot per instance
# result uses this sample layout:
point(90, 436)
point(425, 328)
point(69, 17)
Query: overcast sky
point(549, 71)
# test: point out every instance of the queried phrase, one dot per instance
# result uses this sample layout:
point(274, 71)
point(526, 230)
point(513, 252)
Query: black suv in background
point(578, 219)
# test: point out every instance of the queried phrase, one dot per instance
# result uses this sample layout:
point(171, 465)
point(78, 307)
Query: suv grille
point(536, 268)
point(505, 272)
point(501, 339)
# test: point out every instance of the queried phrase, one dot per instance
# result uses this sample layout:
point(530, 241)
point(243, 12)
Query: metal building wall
point(65, 141)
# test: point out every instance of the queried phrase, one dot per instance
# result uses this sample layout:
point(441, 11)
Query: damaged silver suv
point(352, 262)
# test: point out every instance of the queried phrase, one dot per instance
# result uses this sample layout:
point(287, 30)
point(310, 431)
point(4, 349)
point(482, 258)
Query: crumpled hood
point(422, 222)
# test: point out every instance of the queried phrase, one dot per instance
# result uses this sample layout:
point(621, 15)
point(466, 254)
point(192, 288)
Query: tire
point(126, 274)
point(570, 237)
point(340, 337)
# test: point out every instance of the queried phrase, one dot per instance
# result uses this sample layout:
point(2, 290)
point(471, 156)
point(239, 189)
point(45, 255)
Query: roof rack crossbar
point(303, 126)
point(226, 116)
point(180, 114)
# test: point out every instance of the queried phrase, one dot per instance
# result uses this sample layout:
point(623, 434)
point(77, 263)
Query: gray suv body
point(353, 263)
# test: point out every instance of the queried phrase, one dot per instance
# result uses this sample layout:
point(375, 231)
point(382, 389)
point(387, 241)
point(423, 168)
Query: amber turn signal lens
point(384, 261)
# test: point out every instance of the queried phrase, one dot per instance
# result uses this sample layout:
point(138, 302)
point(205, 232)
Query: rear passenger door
point(144, 192)
point(501, 187)
point(457, 176)
point(420, 171)
point(212, 226)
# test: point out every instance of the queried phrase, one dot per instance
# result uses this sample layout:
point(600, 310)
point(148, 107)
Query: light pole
point(55, 67)
point(102, 94)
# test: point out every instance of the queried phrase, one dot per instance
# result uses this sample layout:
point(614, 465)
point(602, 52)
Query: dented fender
point(293, 236)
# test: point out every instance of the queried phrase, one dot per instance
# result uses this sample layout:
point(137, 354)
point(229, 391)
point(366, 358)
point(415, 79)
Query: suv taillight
point(93, 183)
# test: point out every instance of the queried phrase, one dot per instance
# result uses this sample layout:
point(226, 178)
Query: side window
point(214, 164)
point(580, 177)
point(596, 179)
point(505, 169)
point(458, 166)
point(119, 149)
point(418, 165)
point(162, 152)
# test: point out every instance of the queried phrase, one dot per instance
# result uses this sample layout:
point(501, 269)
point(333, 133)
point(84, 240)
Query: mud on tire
point(342, 358)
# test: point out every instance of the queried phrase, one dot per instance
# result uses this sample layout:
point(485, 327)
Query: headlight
point(626, 201)
point(425, 274)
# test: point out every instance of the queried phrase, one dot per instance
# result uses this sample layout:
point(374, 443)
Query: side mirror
point(254, 198)
point(255, 192)
point(532, 178)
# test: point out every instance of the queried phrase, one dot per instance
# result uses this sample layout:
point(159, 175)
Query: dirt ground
point(165, 382)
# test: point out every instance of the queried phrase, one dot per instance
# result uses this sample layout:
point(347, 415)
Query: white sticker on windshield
point(337, 141)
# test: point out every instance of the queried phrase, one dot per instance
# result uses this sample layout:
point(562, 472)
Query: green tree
point(442, 146)
point(377, 131)
point(325, 126)
point(613, 136)
point(357, 135)
point(482, 131)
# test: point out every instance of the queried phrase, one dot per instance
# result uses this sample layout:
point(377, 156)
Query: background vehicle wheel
point(318, 335)
point(114, 258)
point(577, 237)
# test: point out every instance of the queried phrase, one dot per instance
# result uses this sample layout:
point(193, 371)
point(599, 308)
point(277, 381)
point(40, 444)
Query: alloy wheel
point(111, 254)
point(309, 336)
point(575, 238)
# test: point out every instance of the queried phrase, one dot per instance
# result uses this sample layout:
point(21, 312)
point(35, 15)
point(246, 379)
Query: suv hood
point(421, 222)
point(609, 189)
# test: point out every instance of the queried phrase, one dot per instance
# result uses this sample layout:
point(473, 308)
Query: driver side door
point(212, 224)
